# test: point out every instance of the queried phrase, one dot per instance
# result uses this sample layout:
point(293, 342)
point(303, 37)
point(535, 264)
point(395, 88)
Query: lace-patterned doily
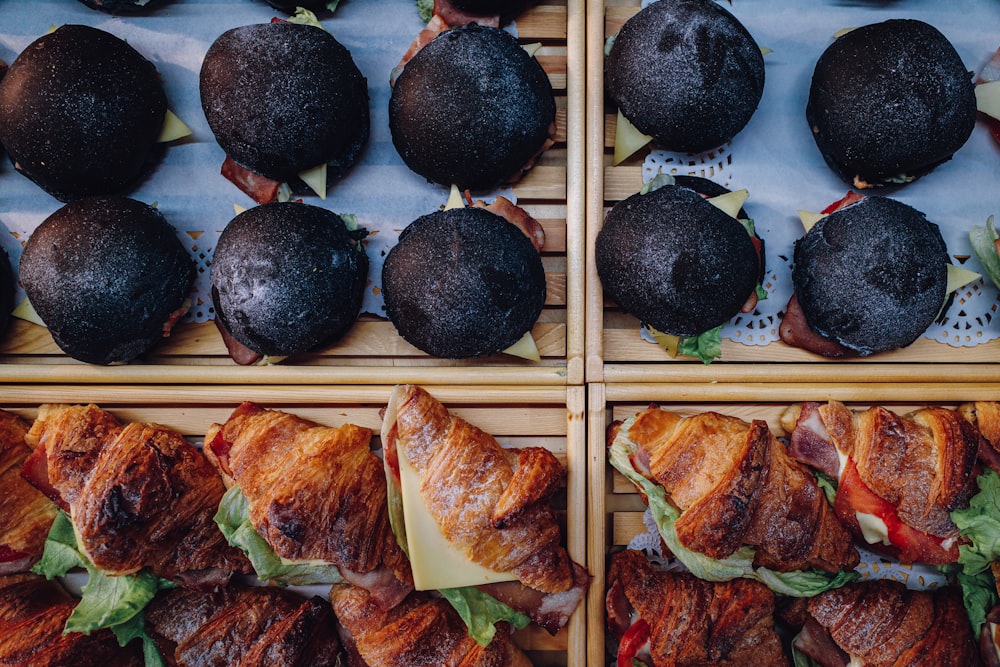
point(970, 320)
point(872, 566)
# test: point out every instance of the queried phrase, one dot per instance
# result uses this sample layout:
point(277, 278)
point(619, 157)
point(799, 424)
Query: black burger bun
point(108, 276)
point(288, 277)
point(471, 108)
point(871, 276)
point(122, 6)
point(889, 102)
point(463, 283)
point(675, 261)
point(80, 113)
point(685, 72)
point(7, 291)
point(283, 98)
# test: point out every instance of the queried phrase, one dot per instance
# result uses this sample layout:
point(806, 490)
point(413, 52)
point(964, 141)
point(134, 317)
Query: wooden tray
point(551, 417)
point(615, 352)
point(616, 509)
point(372, 351)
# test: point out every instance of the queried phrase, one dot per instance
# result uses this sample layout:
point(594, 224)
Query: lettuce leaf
point(115, 602)
point(798, 583)
point(983, 240)
point(980, 523)
point(425, 10)
point(481, 612)
point(233, 519)
point(706, 346)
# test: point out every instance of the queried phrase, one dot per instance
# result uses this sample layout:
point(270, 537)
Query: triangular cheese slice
point(959, 277)
point(532, 49)
point(455, 199)
point(627, 139)
point(525, 348)
point(809, 219)
point(435, 561)
point(988, 99)
point(26, 311)
point(730, 202)
point(669, 342)
point(173, 128)
point(315, 178)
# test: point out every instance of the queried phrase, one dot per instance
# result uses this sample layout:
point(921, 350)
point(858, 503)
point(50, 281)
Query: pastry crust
point(25, 514)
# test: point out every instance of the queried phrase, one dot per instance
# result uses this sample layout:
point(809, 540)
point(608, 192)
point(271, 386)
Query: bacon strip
point(516, 216)
point(259, 188)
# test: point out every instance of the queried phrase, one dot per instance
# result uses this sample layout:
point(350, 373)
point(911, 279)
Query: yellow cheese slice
point(628, 139)
point(764, 50)
point(315, 178)
point(988, 98)
point(26, 311)
point(809, 219)
point(730, 202)
point(525, 348)
point(173, 128)
point(239, 209)
point(669, 342)
point(455, 199)
point(959, 278)
point(532, 49)
point(436, 562)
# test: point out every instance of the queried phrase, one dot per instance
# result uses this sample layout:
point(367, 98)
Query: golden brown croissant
point(421, 630)
point(25, 514)
point(243, 625)
point(687, 621)
point(735, 485)
point(314, 493)
point(907, 472)
point(881, 622)
point(33, 612)
point(139, 495)
point(489, 502)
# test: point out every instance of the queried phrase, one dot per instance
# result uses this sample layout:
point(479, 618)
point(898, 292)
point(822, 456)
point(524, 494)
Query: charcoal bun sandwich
point(287, 277)
point(108, 277)
point(868, 277)
point(471, 108)
point(81, 112)
point(889, 102)
point(463, 282)
point(681, 264)
point(287, 104)
point(686, 73)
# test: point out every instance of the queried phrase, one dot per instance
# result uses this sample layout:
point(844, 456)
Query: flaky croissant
point(908, 471)
point(33, 612)
point(314, 493)
point(421, 630)
point(881, 622)
point(735, 485)
point(490, 503)
point(25, 513)
point(687, 621)
point(249, 626)
point(139, 495)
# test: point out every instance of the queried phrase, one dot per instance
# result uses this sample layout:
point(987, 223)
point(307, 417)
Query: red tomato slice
point(631, 642)
point(847, 200)
point(908, 544)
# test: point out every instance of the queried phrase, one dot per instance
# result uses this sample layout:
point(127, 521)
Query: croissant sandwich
point(25, 513)
point(729, 501)
point(33, 613)
point(881, 622)
point(307, 502)
point(244, 625)
point(672, 619)
point(475, 518)
point(137, 502)
point(422, 630)
point(898, 477)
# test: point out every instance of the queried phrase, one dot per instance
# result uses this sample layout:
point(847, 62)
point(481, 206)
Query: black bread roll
point(7, 291)
point(685, 72)
point(871, 276)
point(471, 108)
point(121, 6)
point(311, 5)
point(288, 277)
point(80, 113)
point(502, 8)
point(463, 283)
point(889, 102)
point(282, 98)
point(676, 261)
point(108, 276)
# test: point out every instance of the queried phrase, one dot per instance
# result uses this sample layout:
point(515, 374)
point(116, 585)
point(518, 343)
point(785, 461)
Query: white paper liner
point(776, 159)
point(186, 185)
